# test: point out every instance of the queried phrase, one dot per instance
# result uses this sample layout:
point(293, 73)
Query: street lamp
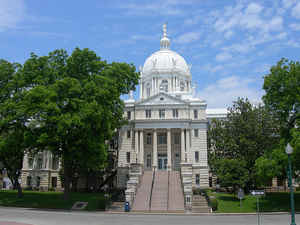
point(289, 151)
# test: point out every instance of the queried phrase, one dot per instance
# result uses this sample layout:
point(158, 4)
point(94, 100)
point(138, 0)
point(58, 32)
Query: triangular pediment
point(161, 99)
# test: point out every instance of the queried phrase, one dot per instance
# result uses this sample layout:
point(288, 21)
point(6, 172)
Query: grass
point(51, 200)
point(272, 202)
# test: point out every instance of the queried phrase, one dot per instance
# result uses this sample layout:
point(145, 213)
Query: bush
point(213, 203)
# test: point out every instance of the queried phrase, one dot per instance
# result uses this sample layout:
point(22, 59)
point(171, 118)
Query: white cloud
point(240, 48)
point(223, 56)
point(254, 8)
point(12, 12)
point(188, 37)
point(228, 34)
point(226, 90)
point(212, 68)
point(296, 11)
point(295, 26)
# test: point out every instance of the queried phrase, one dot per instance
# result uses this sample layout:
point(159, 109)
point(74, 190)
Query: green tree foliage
point(76, 102)
point(282, 87)
point(246, 133)
point(232, 172)
point(13, 121)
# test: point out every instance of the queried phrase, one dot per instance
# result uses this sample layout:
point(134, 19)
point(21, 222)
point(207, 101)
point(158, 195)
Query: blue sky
point(230, 44)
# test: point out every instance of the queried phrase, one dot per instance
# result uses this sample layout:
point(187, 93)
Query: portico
point(162, 148)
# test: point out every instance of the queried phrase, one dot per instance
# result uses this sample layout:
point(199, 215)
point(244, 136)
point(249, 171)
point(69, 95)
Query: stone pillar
point(154, 163)
point(142, 147)
point(182, 146)
point(136, 146)
point(188, 145)
point(169, 145)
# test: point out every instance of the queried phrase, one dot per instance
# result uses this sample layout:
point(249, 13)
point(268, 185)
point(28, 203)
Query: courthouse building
point(167, 129)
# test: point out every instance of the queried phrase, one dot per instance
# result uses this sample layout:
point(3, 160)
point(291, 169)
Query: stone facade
point(167, 127)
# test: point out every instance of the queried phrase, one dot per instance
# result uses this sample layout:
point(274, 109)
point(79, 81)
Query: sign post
point(258, 193)
point(241, 196)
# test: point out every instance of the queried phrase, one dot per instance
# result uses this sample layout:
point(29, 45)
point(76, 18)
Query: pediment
point(161, 99)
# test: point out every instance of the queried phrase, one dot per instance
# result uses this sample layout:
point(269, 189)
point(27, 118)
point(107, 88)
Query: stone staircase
point(142, 198)
point(176, 199)
point(159, 200)
point(116, 207)
point(199, 204)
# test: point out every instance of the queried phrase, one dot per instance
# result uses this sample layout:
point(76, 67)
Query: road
point(39, 217)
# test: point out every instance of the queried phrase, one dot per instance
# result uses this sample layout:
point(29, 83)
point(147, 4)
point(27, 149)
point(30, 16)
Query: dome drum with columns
point(165, 138)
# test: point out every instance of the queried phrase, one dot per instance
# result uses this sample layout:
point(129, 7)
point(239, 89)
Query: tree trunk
point(20, 192)
point(67, 180)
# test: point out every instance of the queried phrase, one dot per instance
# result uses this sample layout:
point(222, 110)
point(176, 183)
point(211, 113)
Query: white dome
point(165, 61)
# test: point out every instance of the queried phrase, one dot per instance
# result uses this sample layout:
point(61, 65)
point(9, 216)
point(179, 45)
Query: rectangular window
point(28, 181)
point(128, 157)
point(195, 114)
point(148, 160)
point(176, 139)
point(196, 132)
point(38, 181)
point(162, 138)
point(128, 115)
point(197, 179)
point(148, 113)
point(128, 134)
point(162, 113)
point(197, 156)
point(30, 162)
point(55, 162)
point(54, 182)
point(175, 113)
point(39, 163)
point(149, 139)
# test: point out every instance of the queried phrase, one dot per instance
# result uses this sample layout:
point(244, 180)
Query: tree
point(13, 124)
point(76, 101)
point(232, 172)
point(282, 87)
point(246, 133)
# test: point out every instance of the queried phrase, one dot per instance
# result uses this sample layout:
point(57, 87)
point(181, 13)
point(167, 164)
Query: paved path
point(37, 217)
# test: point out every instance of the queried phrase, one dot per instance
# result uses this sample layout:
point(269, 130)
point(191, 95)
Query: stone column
point(169, 145)
point(154, 163)
point(136, 146)
point(188, 145)
point(142, 147)
point(182, 146)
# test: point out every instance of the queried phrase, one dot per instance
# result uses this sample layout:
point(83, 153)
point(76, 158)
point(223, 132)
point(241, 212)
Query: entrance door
point(162, 161)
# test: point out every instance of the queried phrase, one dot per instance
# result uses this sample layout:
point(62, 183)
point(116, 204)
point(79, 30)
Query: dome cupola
point(165, 41)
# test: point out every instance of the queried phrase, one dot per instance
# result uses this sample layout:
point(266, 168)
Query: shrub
point(213, 203)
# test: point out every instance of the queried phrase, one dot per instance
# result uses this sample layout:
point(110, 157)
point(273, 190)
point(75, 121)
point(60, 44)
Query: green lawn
point(51, 200)
point(272, 202)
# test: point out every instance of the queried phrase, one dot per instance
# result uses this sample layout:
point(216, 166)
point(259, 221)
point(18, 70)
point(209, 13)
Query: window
point(188, 199)
point(176, 139)
point(28, 182)
point(39, 163)
point(162, 138)
point(148, 90)
point(55, 162)
point(175, 113)
point(197, 156)
point(196, 132)
point(164, 86)
point(30, 162)
point(128, 134)
point(128, 157)
point(162, 113)
point(149, 139)
point(128, 115)
point(148, 113)
point(54, 182)
point(148, 160)
point(195, 114)
point(38, 181)
point(181, 86)
point(197, 179)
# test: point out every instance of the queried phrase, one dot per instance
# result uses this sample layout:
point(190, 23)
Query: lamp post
point(289, 151)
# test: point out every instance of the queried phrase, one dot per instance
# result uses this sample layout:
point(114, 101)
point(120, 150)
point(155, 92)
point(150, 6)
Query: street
point(40, 217)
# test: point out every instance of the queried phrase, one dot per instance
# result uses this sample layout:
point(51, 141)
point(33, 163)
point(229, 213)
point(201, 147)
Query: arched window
point(148, 89)
point(164, 86)
point(182, 86)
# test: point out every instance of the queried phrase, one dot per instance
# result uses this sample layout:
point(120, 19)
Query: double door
point(162, 161)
